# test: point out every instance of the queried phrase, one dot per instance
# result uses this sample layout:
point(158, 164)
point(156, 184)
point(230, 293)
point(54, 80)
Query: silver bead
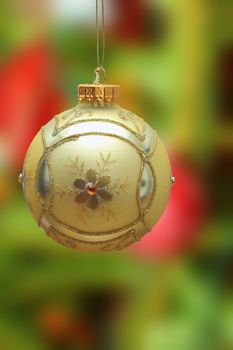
point(173, 180)
point(21, 178)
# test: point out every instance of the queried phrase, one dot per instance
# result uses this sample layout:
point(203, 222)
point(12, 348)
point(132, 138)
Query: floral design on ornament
point(92, 189)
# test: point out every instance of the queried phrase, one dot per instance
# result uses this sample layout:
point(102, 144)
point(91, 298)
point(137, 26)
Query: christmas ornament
point(96, 177)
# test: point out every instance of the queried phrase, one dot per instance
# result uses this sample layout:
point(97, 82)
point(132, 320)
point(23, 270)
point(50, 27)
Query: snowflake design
point(93, 188)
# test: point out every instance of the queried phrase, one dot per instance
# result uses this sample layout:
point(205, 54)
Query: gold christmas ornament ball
point(96, 177)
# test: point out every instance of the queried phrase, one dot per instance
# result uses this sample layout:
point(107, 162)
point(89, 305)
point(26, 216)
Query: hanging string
point(100, 40)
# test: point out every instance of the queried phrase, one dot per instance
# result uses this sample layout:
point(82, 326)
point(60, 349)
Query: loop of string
point(100, 41)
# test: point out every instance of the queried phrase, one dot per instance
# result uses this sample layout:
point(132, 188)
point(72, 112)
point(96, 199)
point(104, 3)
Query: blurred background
point(173, 289)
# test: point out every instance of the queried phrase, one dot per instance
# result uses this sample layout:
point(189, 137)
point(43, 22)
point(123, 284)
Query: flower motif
point(91, 189)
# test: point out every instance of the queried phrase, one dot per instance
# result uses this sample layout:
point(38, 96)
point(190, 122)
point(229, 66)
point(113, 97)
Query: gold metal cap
point(99, 93)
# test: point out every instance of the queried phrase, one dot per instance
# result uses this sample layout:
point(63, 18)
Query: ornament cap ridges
point(99, 93)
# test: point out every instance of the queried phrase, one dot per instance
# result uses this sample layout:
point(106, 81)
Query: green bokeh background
point(54, 298)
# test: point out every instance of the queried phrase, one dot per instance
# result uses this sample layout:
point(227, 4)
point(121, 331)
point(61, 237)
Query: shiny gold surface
point(98, 93)
point(96, 178)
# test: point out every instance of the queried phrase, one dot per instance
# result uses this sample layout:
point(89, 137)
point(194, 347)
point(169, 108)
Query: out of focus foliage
point(172, 290)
